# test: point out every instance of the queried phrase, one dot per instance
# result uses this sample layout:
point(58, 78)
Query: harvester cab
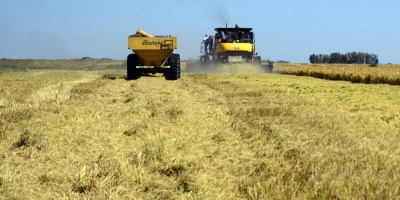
point(152, 54)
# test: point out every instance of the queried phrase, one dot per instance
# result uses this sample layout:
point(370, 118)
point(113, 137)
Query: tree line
point(348, 58)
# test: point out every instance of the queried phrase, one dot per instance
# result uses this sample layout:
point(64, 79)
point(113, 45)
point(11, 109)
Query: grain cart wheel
point(132, 72)
point(174, 72)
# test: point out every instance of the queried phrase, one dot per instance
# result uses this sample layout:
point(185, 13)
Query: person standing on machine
point(206, 41)
point(211, 42)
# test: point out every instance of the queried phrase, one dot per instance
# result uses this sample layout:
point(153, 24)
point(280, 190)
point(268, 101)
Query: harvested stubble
point(94, 135)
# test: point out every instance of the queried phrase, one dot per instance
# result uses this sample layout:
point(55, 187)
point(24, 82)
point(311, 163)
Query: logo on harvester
point(155, 43)
point(236, 47)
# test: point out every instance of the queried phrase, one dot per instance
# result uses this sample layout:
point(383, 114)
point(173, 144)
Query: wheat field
point(74, 134)
point(355, 73)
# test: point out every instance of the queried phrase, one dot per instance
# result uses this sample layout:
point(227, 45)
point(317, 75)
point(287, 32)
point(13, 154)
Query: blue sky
point(288, 30)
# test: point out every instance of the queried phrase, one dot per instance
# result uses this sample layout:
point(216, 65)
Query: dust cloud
point(231, 68)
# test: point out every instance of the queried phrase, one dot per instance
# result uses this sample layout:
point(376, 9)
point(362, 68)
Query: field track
point(80, 134)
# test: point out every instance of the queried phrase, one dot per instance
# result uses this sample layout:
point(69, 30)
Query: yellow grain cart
point(152, 54)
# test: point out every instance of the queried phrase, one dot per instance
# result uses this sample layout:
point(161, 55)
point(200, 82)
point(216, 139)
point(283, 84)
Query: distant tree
point(325, 58)
point(352, 57)
point(313, 58)
point(335, 58)
point(319, 60)
point(344, 58)
point(349, 58)
point(282, 61)
point(374, 59)
point(367, 59)
point(361, 57)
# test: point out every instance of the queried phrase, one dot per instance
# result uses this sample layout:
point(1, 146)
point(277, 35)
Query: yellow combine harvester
point(230, 45)
point(152, 54)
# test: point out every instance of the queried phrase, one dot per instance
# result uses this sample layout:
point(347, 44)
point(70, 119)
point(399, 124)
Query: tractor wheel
point(174, 72)
point(131, 63)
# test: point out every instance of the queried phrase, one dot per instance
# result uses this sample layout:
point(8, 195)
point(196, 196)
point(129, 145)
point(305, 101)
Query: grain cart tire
point(131, 63)
point(174, 72)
